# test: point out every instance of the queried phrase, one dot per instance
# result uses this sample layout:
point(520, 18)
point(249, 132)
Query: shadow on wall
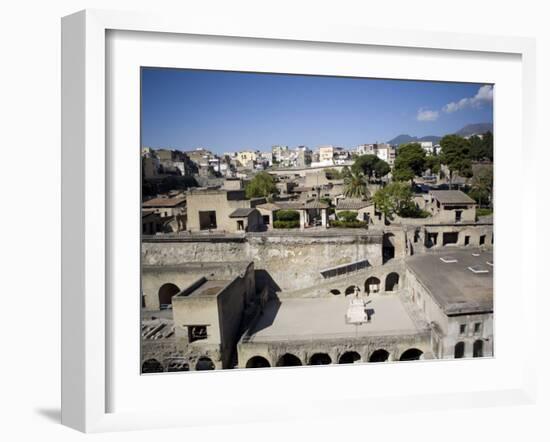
point(267, 315)
point(263, 279)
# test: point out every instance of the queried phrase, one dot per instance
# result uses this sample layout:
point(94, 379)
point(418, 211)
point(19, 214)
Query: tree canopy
point(395, 198)
point(481, 148)
point(263, 184)
point(482, 185)
point(410, 162)
point(455, 153)
point(371, 166)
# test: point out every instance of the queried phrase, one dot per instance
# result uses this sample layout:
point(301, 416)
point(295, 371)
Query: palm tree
point(355, 185)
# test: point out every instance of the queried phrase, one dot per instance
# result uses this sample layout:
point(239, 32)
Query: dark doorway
point(320, 359)
point(207, 219)
point(289, 360)
point(392, 282)
point(350, 357)
point(459, 350)
point(379, 355)
point(388, 247)
point(478, 349)
point(466, 240)
point(450, 238)
point(458, 216)
point(205, 364)
point(166, 292)
point(372, 285)
point(258, 362)
point(152, 366)
point(412, 354)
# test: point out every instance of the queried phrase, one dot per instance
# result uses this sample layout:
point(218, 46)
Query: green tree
point(262, 185)
point(455, 153)
point(410, 162)
point(488, 145)
point(395, 198)
point(355, 185)
point(433, 162)
point(477, 149)
point(482, 185)
point(371, 166)
point(381, 169)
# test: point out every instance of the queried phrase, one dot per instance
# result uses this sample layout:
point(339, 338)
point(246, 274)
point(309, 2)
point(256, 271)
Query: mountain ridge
point(466, 131)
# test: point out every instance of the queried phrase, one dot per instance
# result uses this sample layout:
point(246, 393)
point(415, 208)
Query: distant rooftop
point(452, 197)
point(454, 287)
point(164, 202)
point(352, 204)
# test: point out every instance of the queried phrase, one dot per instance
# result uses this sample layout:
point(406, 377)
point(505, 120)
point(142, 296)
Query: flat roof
point(455, 288)
point(324, 318)
point(209, 288)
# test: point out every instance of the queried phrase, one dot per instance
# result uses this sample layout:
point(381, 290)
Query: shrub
point(286, 224)
point(349, 224)
point(287, 215)
point(412, 211)
point(483, 212)
point(347, 215)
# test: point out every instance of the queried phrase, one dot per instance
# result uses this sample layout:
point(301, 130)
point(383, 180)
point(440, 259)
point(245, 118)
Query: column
point(324, 218)
point(302, 219)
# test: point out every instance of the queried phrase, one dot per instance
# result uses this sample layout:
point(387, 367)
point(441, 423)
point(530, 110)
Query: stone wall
point(284, 262)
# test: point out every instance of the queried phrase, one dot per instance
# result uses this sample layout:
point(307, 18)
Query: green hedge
point(349, 224)
point(347, 215)
point(287, 215)
point(286, 224)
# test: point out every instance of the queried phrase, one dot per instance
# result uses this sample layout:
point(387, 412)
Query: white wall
point(30, 121)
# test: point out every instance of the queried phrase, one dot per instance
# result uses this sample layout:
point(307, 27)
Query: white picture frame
point(86, 316)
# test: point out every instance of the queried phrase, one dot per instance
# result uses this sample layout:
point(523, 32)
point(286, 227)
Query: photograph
point(297, 220)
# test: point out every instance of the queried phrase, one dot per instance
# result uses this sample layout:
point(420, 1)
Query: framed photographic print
point(239, 200)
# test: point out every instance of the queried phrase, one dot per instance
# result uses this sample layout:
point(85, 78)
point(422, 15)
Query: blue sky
point(230, 111)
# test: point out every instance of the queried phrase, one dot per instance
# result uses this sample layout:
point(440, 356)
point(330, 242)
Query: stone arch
point(459, 350)
point(289, 360)
point(257, 362)
point(379, 355)
point(335, 292)
point(166, 291)
point(177, 366)
point(349, 357)
point(478, 349)
point(372, 285)
point(412, 354)
point(392, 282)
point(205, 363)
point(320, 359)
point(351, 290)
point(151, 366)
